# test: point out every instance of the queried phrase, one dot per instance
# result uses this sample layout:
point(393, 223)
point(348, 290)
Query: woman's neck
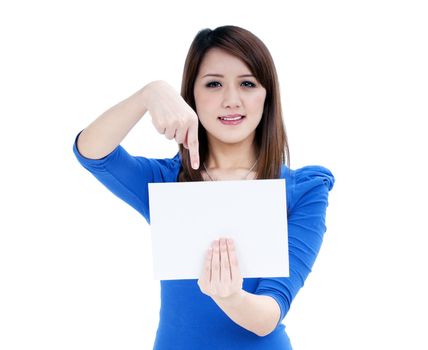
point(231, 161)
point(230, 156)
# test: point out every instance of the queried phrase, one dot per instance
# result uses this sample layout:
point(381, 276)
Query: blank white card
point(187, 216)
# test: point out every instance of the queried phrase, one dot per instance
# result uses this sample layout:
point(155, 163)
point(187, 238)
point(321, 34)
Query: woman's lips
point(232, 119)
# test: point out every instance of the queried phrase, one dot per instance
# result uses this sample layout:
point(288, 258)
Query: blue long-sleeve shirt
point(190, 319)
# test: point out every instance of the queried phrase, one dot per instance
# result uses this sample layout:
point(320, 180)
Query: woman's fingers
point(215, 263)
point(204, 281)
point(192, 144)
point(179, 135)
point(221, 277)
point(206, 273)
point(187, 135)
point(173, 117)
point(233, 260)
point(170, 133)
point(224, 261)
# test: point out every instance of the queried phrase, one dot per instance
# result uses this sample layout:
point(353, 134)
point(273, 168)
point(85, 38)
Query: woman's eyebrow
point(222, 76)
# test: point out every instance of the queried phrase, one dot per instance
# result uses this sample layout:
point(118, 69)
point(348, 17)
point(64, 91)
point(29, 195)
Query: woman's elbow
point(266, 328)
point(264, 332)
point(268, 325)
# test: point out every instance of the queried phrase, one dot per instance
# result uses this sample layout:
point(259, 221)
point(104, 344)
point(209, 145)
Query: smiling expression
point(229, 99)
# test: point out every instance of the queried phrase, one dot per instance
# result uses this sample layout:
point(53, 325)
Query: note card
point(187, 216)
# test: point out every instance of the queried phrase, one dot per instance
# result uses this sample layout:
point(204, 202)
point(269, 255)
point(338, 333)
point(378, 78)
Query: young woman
point(228, 124)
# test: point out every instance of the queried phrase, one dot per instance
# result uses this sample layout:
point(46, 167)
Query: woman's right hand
point(173, 117)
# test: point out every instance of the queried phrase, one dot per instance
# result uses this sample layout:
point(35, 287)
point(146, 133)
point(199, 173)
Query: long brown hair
point(270, 137)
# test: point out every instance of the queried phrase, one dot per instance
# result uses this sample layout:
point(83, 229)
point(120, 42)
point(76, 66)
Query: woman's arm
point(256, 313)
point(171, 116)
point(261, 312)
point(106, 132)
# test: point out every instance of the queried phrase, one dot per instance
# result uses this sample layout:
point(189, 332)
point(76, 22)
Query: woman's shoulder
point(165, 169)
point(309, 173)
point(308, 180)
point(171, 163)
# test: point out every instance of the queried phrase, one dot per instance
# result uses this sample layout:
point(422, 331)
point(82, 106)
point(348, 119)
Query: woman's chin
point(231, 138)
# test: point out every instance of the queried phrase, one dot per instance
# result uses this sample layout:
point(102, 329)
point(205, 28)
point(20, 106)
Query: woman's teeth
point(231, 118)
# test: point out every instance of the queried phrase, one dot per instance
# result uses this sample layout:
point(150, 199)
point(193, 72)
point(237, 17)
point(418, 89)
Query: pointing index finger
point(193, 144)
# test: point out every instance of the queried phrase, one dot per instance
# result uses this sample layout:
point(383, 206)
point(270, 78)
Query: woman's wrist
point(233, 301)
point(146, 93)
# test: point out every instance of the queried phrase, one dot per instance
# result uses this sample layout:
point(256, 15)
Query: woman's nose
point(231, 98)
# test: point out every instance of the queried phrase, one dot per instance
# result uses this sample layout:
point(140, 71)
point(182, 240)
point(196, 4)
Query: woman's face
point(229, 100)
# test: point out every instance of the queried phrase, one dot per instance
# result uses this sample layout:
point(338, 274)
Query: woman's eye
point(213, 84)
point(248, 84)
point(216, 84)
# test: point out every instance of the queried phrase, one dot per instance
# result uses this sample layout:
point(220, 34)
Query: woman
point(228, 124)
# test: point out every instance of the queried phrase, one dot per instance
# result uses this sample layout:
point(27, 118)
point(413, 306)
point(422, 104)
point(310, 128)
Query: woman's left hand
point(221, 278)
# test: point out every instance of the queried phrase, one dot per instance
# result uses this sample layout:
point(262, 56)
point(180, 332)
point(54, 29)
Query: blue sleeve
point(306, 227)
point(128, 176)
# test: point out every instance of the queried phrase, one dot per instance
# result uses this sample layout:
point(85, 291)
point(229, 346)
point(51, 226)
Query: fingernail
point(195, 165)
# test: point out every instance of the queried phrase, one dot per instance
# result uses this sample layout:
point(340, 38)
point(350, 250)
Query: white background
point(75, 262)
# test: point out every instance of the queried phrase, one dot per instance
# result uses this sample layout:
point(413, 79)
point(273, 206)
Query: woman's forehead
point(219, 62)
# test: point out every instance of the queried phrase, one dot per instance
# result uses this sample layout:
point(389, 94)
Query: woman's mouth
point(233, 119)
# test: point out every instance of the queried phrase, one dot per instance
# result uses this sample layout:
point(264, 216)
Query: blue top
point(190, 319)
